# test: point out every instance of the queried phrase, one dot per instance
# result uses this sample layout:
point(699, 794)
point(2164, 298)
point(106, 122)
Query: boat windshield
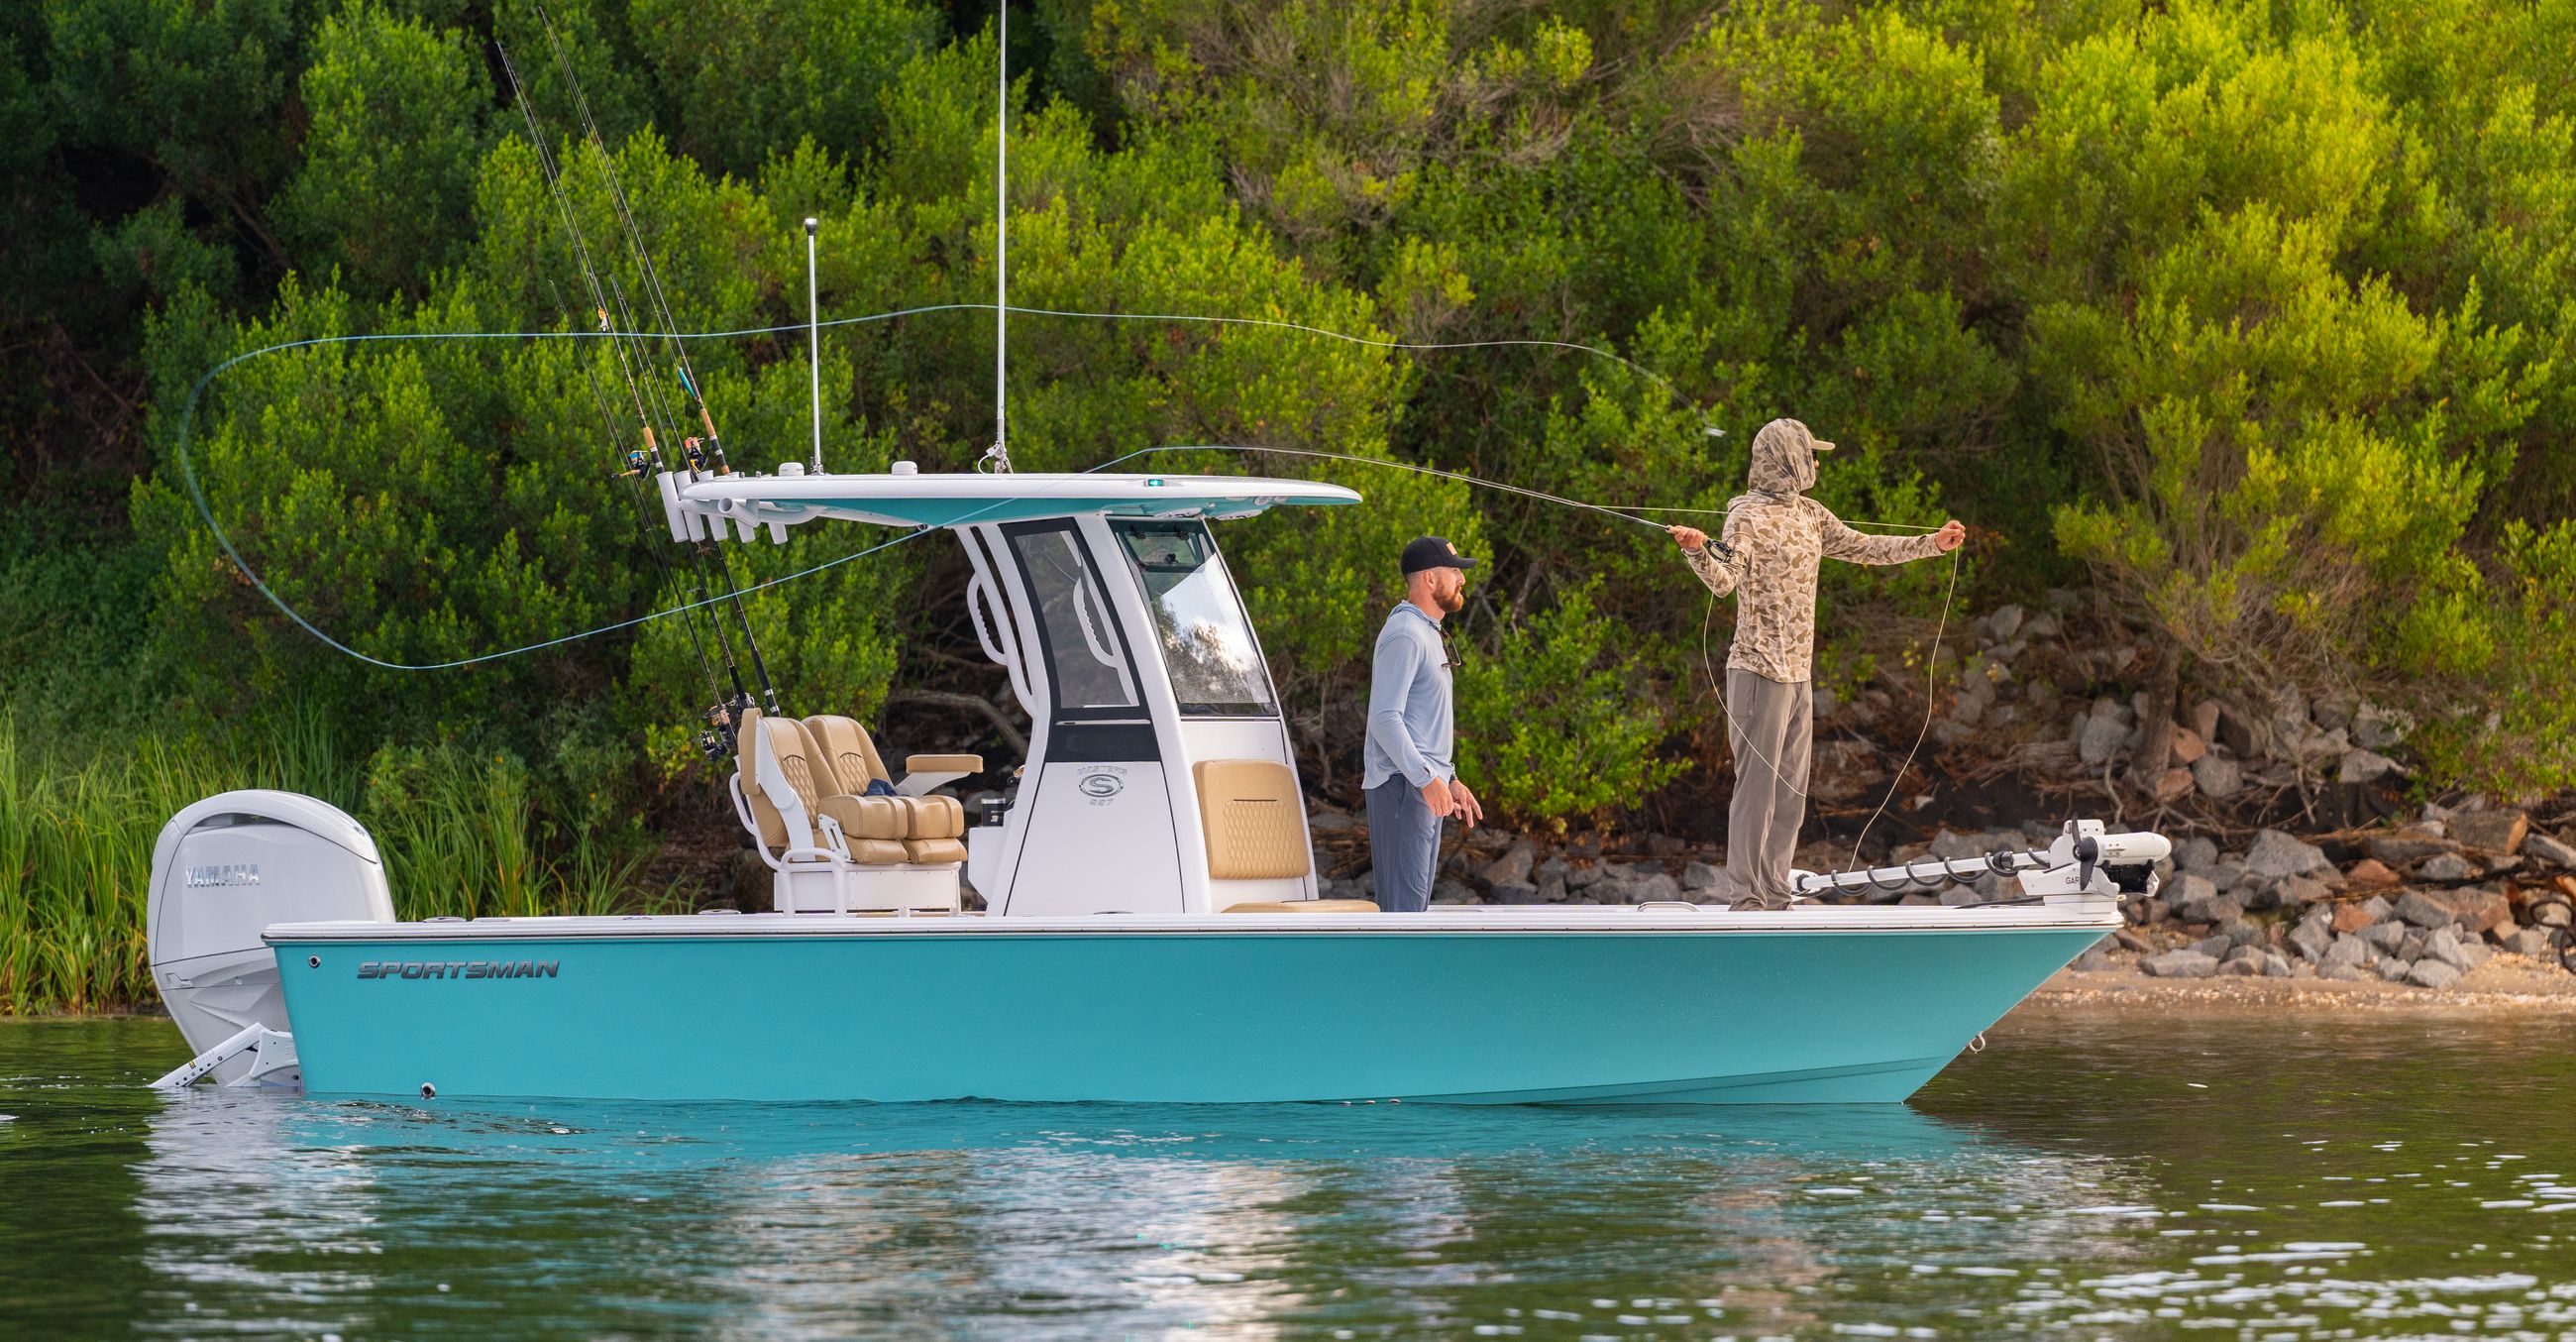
point(1089, 675)
point(1198, 620)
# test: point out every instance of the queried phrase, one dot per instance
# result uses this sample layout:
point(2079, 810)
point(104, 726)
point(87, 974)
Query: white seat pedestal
point(814, 887)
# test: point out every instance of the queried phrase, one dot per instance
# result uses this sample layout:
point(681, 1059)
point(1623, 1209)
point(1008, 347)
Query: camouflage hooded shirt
point(1780, 538)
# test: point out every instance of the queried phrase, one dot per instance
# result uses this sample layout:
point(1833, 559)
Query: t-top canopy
point(963, 499)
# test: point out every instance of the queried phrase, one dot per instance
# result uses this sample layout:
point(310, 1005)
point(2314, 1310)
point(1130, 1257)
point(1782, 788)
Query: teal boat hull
point(1475, 1012)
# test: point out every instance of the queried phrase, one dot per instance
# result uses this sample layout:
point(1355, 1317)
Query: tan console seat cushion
point(934, 850)
point(1254, 820)
point(943, 764)
point(1304, 906)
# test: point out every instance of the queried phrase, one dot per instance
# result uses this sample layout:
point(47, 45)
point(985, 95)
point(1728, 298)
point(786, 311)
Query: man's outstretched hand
point(1691, 539)
point(1951, 536)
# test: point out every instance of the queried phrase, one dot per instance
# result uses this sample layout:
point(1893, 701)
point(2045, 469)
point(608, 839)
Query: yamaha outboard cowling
point(228, 867)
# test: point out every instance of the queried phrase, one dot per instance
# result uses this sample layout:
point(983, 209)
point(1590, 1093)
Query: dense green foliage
point(2258, 319)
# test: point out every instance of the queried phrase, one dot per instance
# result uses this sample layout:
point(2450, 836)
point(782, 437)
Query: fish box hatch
point(223, 870)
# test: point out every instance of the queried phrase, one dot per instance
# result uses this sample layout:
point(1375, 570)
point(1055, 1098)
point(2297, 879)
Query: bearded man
point(1412, 785)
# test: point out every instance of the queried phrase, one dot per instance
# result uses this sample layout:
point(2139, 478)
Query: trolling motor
point(2084, 861)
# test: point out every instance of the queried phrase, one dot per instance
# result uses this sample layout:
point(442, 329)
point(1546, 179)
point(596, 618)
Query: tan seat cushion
point(936, 817)
point(878, 852)
point(869, 817)
point(1304, 906)
point(1254, 820)
point(943, 764)
point(850, 750)
point(935, 850)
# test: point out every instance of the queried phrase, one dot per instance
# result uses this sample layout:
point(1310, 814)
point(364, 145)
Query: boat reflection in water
point(277, 1211)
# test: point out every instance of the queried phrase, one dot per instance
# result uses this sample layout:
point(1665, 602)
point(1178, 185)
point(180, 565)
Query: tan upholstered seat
point(870, 826)
point(1254, 819)
point(1304, 906)
point(852, 756)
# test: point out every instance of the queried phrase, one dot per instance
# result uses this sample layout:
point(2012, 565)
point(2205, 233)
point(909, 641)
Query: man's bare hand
point(1470, 810)
point(1950, 536)
point(1691, 539)
point(1435, 794)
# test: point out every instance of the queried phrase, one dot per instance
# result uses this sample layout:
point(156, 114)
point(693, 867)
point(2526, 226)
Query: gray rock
point(2198, 853)
point(2298, 892)
point(1513, 867)
point(2312, 937)
point(1512, 892)
point(1701, 876)
point(2276, 855)
point(2384, 937)
point(2276, 965)
point(1658, 886)
point(2476, 952)
point(2412, 948)
point(1551, 888)
point(2102, 738)
point(2247, 968)
point(2443, 944)
point(2447, 867)
point(2528, 941)
point(2004, 623)
point(2347, 950)
point(2433, 974)
point(2408, 846)
point(2180, 965)
point(2217, 776)
point(2364, 766)
point(2377, 728)
point(1579, 878)
point(2341, 973)
point(2392, 969)
point(2227, 873)
point(1325, 818)
point(2187, 891)
point(2423, 910)
point(2215, 945)
point(2242, 933)
point(2547, 851)
point(1452, 891)
point(2217, 909)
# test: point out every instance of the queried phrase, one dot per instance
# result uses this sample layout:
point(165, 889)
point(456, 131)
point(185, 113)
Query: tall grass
point(459, 831)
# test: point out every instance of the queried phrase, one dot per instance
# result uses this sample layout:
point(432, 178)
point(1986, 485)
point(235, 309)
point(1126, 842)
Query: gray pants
point(1404, 845)
point(1771, 730)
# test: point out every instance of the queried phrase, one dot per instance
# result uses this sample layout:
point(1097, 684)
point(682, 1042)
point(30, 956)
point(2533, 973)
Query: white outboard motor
point(223, 870)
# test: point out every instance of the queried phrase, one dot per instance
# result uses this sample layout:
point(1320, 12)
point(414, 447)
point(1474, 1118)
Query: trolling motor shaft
point(2079, 862)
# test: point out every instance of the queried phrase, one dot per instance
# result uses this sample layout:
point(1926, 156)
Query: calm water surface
point(2088, 1177)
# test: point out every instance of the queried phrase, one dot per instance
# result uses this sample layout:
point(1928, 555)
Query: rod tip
point(810, 223)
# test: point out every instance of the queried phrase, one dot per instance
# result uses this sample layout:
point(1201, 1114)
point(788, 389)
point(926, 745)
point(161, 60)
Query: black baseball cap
point(1430, 552)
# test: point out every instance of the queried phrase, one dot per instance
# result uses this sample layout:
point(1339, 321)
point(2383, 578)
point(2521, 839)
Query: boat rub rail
point(1468, 921)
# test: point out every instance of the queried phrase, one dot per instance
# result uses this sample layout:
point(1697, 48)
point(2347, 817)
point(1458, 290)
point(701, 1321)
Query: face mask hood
point(1784, 459)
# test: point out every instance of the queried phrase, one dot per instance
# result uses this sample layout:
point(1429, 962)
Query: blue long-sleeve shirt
point(1408, 709)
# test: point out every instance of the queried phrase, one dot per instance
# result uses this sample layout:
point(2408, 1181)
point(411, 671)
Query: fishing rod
point(723, 714)
point(661, 562)
point(698, 457)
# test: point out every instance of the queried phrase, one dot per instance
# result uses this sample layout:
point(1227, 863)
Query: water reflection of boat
point(826, 1217)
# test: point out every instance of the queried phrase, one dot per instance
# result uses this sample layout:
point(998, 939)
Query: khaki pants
point(1771, 730)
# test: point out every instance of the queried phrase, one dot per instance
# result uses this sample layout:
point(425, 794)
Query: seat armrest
point(921, 773)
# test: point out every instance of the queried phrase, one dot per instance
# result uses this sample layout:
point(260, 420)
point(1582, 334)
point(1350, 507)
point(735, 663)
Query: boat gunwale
point(2101, 916)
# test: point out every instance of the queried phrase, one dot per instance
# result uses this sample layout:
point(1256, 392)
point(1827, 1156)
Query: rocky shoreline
point(2299, 856)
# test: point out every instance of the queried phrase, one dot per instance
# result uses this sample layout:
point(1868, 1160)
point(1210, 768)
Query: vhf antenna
point(814, 338)
point(998, 457)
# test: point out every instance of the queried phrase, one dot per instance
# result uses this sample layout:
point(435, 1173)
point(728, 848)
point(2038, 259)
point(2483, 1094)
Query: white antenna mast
point(814, 339)
point(1000, 455)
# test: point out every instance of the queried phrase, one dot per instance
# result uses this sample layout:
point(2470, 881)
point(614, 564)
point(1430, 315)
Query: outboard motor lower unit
point(223, 870)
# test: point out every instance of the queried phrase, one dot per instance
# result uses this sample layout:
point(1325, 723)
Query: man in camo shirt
point(1775, 539)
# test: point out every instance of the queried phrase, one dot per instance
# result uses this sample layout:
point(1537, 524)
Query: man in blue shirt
point(1411, 784)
